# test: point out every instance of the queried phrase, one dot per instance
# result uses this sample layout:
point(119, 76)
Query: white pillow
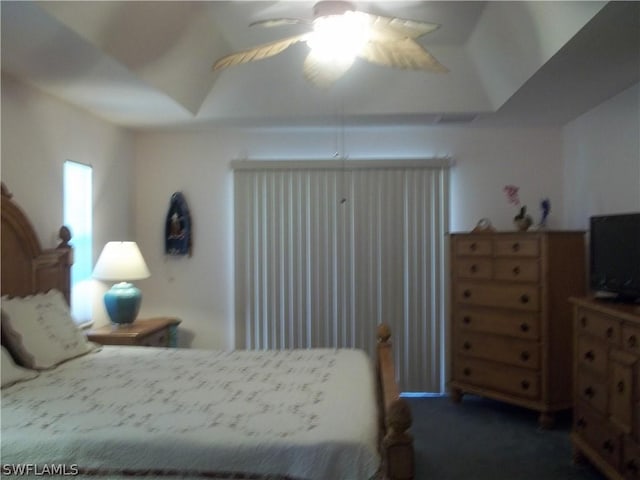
point(12, 373)
point(40, 332)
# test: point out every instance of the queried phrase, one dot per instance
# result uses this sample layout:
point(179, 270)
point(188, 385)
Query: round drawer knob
point(583, 321)
point(516, 271)
point(620, 386)
point(473, 247)
point(590, 356)
point(525, 384)
point(524, 327)
point(515, 247)
point(524, 298)
point(589, 392)
point(632, 341)
point(525, 356)
point(466, 294)
point(466, 346)
point(581, 422)
point(609, 332)
point(466, 319)
point(466, 372)
point(607, 445)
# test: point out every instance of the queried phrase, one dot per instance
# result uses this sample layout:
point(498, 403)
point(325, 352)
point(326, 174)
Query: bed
point(314, 414)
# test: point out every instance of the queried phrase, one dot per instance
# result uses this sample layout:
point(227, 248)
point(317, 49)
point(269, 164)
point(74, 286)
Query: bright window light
point(78, 216)
point(339, 38)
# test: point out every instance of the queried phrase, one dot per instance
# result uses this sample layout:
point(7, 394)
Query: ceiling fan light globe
point(338, 38)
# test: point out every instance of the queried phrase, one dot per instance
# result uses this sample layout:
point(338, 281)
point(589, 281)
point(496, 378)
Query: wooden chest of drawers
point(511, 318)
point(606, 420)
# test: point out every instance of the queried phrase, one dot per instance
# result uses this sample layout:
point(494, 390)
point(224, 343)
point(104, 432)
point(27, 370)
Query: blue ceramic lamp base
point(122, 302)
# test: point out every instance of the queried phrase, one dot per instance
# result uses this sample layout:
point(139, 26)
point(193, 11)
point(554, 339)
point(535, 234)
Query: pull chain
point(340, 152)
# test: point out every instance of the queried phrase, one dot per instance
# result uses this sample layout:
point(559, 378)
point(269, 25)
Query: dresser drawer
point(157, 339)
point(599, 325)
point(623, 389)
point(481, 268)
point(473, 246)
point(592, 354)
point(516, 381)
point(597, 432)
point(500, 322)
point(516, 270)
point(630, 459)
point(592, 391)
point(521, 297)
point(520, 353)
point(631, 338)
point(516, 247)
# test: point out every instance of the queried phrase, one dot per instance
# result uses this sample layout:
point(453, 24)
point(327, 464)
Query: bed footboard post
point(397, 444)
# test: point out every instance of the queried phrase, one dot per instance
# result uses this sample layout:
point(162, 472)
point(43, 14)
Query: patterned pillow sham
point(39, 330)
point(12, 373)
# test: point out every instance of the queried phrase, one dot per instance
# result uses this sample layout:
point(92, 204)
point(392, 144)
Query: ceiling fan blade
point(258, 53)
point(323, 74)
point(397, 28)
point(277, 22)
point(404, 54)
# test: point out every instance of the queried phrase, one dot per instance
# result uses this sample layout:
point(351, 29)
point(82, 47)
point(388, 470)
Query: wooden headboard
point(26, 267)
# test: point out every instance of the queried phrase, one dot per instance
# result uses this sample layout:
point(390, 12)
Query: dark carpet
point(482, 439)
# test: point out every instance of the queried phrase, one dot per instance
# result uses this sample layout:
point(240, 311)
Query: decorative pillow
point(12, 373)
point(39, 330)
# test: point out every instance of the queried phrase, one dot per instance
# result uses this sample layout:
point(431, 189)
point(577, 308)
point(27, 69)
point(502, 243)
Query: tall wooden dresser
point(511, 335)
point(606, 419)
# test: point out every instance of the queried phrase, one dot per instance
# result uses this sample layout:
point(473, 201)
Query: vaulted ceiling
point(148, 64)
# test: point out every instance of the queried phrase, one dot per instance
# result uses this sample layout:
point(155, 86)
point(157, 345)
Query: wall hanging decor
point(178, 227)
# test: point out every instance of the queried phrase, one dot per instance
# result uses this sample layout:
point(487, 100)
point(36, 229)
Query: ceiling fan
point(338, 34)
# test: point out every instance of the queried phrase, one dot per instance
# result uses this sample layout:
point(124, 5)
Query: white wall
point(590, 166)
point(38, 134)
point(601, 152)
point(197, 289)
point(200, 289)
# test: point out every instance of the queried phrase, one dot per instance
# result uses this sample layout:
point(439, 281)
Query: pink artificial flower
point(512, 194)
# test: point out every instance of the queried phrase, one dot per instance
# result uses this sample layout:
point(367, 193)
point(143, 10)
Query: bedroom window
point(325, 251)
point(78, 207)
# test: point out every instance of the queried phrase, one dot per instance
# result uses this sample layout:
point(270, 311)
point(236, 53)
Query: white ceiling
point(148, 64)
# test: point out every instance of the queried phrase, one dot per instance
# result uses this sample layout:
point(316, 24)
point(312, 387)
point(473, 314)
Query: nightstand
point(150, 332)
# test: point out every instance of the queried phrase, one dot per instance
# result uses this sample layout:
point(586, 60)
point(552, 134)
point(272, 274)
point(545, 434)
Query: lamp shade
point(120, 261)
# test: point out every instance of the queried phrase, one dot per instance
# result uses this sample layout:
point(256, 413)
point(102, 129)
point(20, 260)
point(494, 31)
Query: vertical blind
point(325, 251)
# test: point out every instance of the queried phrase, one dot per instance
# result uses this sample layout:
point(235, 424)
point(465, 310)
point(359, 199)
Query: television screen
point(615, 255)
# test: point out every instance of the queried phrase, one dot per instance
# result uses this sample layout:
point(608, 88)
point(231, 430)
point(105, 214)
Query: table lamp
point(121, 262)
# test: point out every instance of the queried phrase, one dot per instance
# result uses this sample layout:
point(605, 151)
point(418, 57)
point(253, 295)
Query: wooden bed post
point(397, 443)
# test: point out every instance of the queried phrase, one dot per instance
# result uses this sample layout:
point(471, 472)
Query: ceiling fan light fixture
point(339, 38)
point(339, 33)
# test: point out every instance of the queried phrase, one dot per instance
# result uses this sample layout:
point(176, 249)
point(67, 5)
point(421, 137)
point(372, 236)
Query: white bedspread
point(308, 414)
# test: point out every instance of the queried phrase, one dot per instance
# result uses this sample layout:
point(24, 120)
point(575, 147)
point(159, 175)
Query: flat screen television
point(615, 256)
